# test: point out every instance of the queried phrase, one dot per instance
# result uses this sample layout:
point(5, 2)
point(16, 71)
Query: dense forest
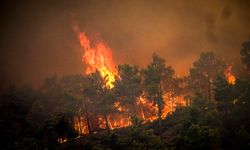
point(142, 108)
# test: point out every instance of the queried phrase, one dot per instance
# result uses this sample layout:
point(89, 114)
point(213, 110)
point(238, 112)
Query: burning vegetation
point(129, 107)
point(106, 105)
point(229, 75)
point(135, 92)
point(97, 57)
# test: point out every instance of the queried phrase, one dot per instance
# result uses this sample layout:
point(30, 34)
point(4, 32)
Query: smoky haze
point(37, 39)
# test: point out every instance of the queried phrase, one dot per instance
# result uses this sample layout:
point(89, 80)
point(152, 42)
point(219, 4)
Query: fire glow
point(229, 75)
point(98, 56)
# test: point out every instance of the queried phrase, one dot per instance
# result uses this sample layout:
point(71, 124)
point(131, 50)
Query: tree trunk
point(87, 118)
point(142, 111)
point(209, 92)
point(88, 122)
point(106, 122)
point(134, 107)
point(159, 113)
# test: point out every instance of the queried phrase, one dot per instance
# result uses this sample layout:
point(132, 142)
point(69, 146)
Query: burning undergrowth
point(133, 104)
point(97, 56)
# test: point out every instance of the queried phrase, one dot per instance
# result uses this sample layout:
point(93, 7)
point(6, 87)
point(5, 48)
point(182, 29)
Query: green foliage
point(157, 80)
point(100, 95)
point(204, 72)
point(128, 87)
point(35, 119)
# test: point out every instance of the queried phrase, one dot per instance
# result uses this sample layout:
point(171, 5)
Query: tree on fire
point(128, 87)
point(156, 76)
point(101, 96)
point(204, 72)
point(75, 86)
point(36, 119)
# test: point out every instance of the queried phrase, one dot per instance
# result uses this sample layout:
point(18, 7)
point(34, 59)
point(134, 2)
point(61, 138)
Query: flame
point(115, 121)
point(229, 75)
point(80, 125)
point(148, 109)
point(62, 140)
point(169, 104)
point(120, 119)
point(97, 56)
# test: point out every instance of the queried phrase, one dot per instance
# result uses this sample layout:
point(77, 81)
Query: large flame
point(229, 75)
point(97, 56)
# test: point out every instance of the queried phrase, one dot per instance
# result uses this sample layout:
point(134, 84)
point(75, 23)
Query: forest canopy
point(145, 108)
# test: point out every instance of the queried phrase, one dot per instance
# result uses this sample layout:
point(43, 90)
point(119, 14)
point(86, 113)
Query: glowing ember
point(229, 75)
point(62, 140)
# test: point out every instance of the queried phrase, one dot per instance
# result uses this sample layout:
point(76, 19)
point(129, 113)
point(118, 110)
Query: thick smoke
point(37, 40)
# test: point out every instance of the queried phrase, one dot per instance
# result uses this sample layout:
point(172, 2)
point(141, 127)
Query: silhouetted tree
point(15, 105)
point(245, 55)
point(204, 72)
point(76, 85)
point(155, 76)
point(101, 96)
point(128, 87)
point(224, 95)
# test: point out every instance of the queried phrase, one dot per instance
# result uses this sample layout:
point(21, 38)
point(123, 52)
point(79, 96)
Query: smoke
point(37, 39)
point(211, 28)
point(226, 13)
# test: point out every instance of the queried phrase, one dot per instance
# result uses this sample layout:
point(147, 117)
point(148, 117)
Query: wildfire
point(97, 56)
point(80, 125)
point(229, 75)
point(149, 109)
point(115, 121)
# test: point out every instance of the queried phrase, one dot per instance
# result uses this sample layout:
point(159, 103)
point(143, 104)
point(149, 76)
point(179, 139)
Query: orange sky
point(37, 39)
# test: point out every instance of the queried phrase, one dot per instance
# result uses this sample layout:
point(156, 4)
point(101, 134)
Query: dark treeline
point(216, 114)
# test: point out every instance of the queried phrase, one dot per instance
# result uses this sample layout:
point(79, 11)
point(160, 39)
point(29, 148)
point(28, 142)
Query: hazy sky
point(37, 39)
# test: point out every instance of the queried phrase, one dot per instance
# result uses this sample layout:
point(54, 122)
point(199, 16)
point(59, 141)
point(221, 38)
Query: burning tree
point(101, 96)
point(128, 87)
point(229, 75)
point(156, 75)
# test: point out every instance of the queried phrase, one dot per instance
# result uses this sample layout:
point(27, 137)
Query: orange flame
point(170, 103)
point(97, 56)
point(80, 125)
point(229, 75)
